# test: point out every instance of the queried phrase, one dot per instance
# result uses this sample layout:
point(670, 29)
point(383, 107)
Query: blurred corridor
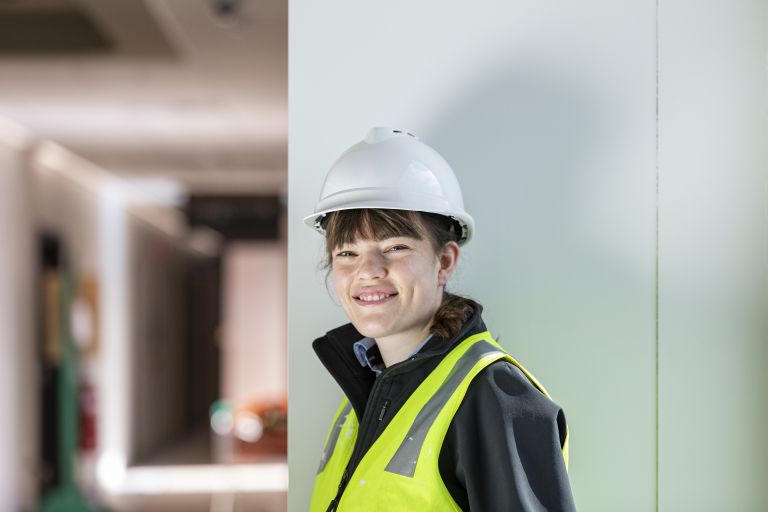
point(143, 154)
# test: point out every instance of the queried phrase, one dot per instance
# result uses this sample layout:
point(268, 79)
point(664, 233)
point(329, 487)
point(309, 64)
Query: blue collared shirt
point(366, 356)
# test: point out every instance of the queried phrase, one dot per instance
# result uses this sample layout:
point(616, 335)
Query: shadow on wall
point(563, 258)
point(530, 151)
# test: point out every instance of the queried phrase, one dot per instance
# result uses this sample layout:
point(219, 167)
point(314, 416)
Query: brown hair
point(345, 226)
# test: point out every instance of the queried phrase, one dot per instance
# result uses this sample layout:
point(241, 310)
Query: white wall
point(547, 113)
point(713, 248)
point(254, 350)
point(613, 155)
point(18, 391)
point(66, 203)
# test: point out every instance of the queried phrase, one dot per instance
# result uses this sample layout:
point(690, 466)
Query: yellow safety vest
point(400, 470)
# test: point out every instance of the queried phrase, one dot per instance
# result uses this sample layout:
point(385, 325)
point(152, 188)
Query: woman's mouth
point(373, 298)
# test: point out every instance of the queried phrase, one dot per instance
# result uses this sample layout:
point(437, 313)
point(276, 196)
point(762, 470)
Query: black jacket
point(502, 451)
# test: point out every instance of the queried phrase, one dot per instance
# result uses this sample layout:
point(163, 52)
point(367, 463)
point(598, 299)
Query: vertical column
point(18, 390)
point(116, 333)
point(713, 253)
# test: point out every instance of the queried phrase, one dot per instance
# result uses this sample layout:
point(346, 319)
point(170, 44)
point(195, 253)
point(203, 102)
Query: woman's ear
point(448, 258)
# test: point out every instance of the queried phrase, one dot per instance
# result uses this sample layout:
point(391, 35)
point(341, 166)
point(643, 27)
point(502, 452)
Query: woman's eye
point(344, 254)
point(396, 248)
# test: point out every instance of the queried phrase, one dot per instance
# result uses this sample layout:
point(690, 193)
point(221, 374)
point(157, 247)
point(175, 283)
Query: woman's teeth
point(373, 298)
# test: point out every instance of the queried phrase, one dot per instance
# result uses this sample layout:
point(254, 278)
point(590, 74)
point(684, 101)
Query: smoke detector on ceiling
point(227, 12)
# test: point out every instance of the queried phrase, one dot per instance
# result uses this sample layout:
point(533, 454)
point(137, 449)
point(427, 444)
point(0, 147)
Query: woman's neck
point(401, 346)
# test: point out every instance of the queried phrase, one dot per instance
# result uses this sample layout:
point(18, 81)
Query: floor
point(199, 450)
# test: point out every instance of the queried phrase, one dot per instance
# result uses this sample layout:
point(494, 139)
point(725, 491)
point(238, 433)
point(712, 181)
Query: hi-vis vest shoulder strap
point(400, 470)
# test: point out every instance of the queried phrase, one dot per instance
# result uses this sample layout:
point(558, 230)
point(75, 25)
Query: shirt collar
point(368, 354)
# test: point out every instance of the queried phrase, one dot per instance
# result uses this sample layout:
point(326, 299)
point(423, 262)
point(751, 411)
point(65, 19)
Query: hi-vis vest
point(400, 470)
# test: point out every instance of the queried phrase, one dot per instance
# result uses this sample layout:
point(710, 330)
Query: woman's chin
point(372, 331)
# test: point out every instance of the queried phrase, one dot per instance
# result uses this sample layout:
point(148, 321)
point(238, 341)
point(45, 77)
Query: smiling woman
point(436, 413)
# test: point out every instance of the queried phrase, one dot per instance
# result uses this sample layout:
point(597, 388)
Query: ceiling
point(193, 90)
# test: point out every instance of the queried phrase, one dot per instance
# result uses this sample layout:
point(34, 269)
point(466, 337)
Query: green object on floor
point(66, 497)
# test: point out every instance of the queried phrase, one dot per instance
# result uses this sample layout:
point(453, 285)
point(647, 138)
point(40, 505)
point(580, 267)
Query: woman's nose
point(372, 266)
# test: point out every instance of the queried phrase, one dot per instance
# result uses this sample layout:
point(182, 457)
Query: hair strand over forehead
point(346, 226)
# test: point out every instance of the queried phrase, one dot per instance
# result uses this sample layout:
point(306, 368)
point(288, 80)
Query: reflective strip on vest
point(404, 461)
point(333, 436)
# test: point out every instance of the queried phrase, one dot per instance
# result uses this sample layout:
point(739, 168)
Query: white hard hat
point(392, 169)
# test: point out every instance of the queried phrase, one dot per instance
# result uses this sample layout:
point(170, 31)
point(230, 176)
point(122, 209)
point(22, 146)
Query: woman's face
point(390, 289)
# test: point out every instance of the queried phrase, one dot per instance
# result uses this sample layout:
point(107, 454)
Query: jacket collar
point(335, 351)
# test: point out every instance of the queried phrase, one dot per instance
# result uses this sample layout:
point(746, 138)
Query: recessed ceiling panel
point(49, 28)
point(66, 28)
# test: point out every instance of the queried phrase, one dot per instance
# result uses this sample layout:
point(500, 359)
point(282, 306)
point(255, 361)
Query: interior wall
point(68, 205)
point(254, 353)
point(18, 391)
point(159, 346)
point(136, 258)
point(713, 254)
point(547, 113)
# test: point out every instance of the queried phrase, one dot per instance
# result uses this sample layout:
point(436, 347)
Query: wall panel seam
point(656, 268)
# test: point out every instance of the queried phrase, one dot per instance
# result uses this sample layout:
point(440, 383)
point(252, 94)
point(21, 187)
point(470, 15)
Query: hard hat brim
point(466, 222)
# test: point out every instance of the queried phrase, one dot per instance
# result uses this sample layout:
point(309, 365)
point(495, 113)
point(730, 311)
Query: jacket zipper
point(362, 434)
point(335, 501)
point(383, 410)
